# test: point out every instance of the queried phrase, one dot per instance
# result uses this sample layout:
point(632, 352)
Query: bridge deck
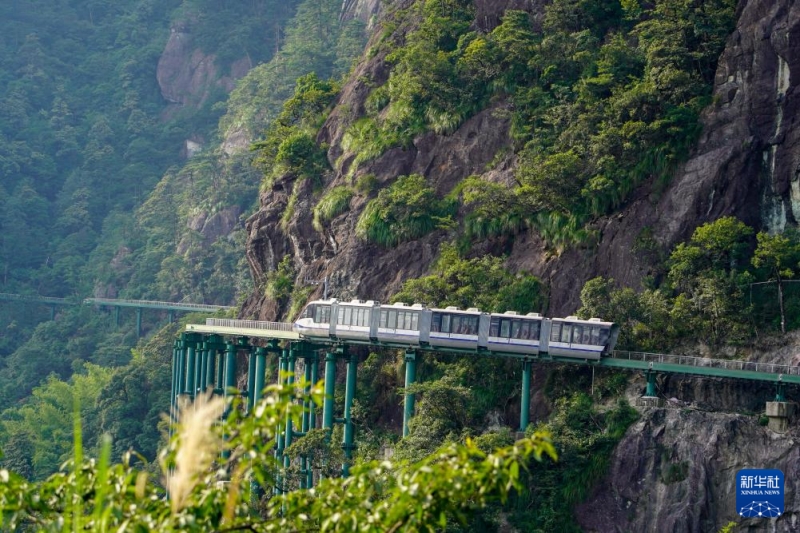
point(37, 299)
point(246, 328)
point(152, 304)
point(674, 364)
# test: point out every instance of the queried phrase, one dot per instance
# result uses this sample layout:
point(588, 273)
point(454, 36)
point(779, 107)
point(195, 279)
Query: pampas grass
point(198, 445)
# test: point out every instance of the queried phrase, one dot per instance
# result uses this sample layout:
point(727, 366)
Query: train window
point(455, 325)
point(604, 333)
point(535, 325)
point(494, 327)
point(348, 316)
point(445, 323)
point(384, 316)
point(415, 321)
point(323, 314)
point(309, 312)
point(515, 328)
point(587, 332)
point(555, 332)
point(436, 322)
point(505, 328)
point(525, 331)
point(566, 329)
point(402, 317)
point(595, 336)
point(577, 333)
point(392, 319)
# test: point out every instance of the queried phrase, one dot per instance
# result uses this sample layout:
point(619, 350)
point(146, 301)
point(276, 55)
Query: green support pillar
point(181, 377)
point(651, 384)
point(203, 383)
point(411, 376)
point(312, 416)
point(138, 322)
point(349, 430)
point(230, 367)
point(330, 383)
point(190, 369)
point(210, 365)
point(251, 379)
point(52, 312)
point(526, 396)
point(289, 429)
point(116, 315)
point(780, 392)
point(198, 368)
point(174, 387)
point(171, 316)
point(279, 440)
point(308, 406)
point(220, 383)
point(261, 367)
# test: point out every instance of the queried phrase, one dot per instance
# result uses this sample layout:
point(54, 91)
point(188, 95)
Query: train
point(417, 325)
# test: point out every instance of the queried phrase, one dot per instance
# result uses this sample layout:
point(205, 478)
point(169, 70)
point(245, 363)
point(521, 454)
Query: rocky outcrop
point(187, 76)
point(745, 164)
point(675, 471)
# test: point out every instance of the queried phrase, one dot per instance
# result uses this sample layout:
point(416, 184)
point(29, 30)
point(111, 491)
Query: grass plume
point(198, 445)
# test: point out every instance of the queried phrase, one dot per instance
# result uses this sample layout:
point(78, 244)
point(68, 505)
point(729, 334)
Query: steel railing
point(249, 324)
point(154, 303)
point(688, 360)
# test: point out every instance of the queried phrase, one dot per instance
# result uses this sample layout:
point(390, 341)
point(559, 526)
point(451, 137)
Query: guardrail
point(154, 303)
point(41, 299)
point(705, 362)
point(249, 324)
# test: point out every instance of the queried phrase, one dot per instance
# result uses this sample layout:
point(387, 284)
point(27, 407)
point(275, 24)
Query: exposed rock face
point(187, 76)
point(675, 471)
point(745, 164)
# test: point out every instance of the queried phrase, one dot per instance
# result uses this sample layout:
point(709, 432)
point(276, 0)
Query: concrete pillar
point(780, 415)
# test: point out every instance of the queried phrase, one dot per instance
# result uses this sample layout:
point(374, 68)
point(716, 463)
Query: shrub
point(335, 202)
point(406, 210)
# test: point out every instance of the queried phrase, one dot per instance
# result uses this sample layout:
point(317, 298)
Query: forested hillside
point(99, 199)
point(628, 160)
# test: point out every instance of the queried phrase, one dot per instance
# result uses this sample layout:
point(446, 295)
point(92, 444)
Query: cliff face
point(745, 164)
point(676, 468)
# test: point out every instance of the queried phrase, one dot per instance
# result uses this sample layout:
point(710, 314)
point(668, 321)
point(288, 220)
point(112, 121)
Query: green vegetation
point(290, 146)
point(605, 97)
point(208, 490)
point(335, 202)
point(480, 282)
point(707, 292)
point(97, 200)
point(406, 210)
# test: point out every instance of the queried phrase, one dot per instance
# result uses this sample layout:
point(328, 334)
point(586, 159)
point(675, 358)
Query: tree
point(778, 254)
point(208, 490)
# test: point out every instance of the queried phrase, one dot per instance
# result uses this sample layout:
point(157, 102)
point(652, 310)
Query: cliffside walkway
point(204, 359)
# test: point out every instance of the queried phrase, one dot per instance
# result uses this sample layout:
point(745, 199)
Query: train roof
point(514, 314)
point(576, 320)
point(454, 309)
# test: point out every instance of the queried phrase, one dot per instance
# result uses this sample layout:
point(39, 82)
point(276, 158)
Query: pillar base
point(780, 415)
point(650, 401)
